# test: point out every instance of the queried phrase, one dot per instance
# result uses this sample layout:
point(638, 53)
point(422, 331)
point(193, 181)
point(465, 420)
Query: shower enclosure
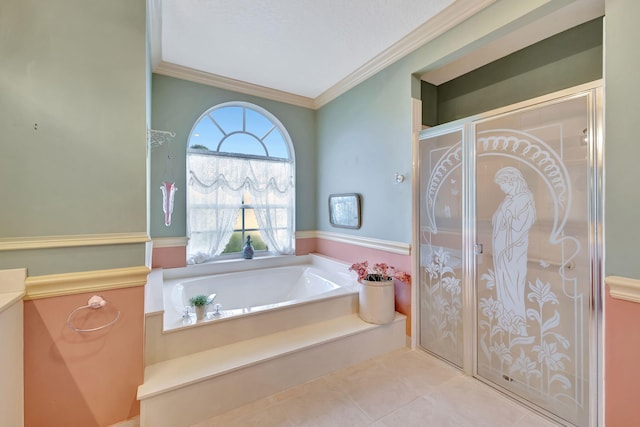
point(509, 249)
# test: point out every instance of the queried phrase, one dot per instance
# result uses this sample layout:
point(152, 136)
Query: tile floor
point(403, 388)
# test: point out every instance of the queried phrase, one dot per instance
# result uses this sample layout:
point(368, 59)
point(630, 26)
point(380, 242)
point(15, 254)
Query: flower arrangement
point(379, 272)
point(199, 301)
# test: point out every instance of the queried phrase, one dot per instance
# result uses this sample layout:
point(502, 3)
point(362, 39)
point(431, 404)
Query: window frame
point(288, 145)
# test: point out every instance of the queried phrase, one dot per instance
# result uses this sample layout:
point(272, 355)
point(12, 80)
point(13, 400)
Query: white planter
point(377, 302)
point(200, 310)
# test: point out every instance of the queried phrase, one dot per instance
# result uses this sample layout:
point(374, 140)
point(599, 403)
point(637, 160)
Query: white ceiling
point(301, 47)
point(307, 52)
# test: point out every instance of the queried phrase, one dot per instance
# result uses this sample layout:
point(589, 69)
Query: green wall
point(177, 104)
point(622, 150)
point(568, 59)
point(365, 137)
point(72, 115)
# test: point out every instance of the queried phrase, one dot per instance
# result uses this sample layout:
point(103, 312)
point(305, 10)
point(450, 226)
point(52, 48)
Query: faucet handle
point(186, 312)
point(217, 308)
point(210, 298)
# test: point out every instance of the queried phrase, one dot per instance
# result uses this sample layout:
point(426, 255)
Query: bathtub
point(266, 285)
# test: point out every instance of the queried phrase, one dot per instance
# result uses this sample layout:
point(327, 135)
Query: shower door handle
point(478, 249)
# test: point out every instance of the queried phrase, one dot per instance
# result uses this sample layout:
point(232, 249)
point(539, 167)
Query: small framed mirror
point(344, 210)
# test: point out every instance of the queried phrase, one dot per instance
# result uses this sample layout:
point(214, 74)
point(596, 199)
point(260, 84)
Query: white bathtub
point(242, 293)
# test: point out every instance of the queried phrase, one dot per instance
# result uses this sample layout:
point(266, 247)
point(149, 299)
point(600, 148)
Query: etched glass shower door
point(534, 275)
point(441, 240)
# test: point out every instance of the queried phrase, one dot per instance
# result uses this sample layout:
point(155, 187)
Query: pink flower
point(379, 272)
point(403, 277)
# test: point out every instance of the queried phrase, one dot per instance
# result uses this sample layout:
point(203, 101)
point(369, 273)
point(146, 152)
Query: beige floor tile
point(299, 390)
point(425, 411)
point(375, 389)
point(419, 370)
point(479, 403)
point(341, 418)
point(401, 389)
point(259, 413)
point(323, 405)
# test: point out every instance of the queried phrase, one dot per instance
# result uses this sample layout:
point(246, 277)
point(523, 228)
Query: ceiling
point(307, 52)
point(304, 48)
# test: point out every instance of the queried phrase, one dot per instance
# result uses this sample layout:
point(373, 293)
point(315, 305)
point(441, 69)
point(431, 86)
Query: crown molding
point(196, 76)
point(623, 288)
point(169, 242)
point(73, 240)
point(367, 242)
point(53, 285)
point(453, 15)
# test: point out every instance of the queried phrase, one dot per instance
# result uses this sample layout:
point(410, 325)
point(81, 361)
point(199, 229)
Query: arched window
point(240, 182)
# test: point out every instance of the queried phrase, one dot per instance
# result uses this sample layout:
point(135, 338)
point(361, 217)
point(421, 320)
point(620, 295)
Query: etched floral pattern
point(442, 301)
point(508, 351)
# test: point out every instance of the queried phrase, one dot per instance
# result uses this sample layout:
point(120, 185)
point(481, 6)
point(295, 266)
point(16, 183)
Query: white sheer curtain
point(273, 203)
point(214, 194)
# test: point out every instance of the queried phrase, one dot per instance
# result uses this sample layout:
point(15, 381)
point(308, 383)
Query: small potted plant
point(377, 296)
point(199, 302)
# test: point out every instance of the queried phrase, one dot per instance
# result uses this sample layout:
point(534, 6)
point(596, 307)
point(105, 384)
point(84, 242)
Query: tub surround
point(229, 304)
point(167, 337)
point(249, 292)
point(163, 345)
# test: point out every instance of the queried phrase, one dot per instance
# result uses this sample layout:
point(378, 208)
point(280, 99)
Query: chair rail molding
point(72, 240)
point(367, 242)
point(169, 242)
point(382, 245)
point(307, 234)
point(623, 288)
point(53, 285)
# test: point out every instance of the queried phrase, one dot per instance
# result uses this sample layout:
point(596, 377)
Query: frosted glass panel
point(441, 246)
point(533, 279)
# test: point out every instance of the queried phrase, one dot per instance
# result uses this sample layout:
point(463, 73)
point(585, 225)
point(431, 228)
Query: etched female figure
point(511, 223)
